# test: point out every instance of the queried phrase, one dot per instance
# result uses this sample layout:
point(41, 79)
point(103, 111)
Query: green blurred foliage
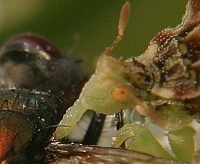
point(88, 26)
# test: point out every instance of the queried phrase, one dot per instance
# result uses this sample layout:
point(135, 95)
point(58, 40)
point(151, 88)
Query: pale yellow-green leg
point(182, 144)
point(69, 121)
point(142, 140)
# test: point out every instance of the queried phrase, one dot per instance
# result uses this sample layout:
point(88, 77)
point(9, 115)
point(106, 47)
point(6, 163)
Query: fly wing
point(68, 153)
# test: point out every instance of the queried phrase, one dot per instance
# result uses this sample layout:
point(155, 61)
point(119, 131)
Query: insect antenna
point(123, 20)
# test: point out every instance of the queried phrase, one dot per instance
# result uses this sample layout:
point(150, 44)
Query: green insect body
point(162, 85)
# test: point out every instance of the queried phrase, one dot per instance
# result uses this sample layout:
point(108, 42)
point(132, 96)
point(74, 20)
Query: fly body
point(37, 84)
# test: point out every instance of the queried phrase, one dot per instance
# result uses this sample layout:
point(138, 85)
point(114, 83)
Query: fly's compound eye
point(26, 47)
point(23, 60)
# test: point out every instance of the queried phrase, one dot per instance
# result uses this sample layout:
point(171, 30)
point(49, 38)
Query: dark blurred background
point(88, 26)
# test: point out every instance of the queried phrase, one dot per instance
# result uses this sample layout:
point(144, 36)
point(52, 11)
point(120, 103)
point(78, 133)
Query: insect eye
point(26, 47)
point(24, 60)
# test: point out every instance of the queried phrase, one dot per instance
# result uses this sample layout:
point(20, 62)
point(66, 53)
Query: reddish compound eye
point(30, 43)
point(24, 58)
point(33, 62)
